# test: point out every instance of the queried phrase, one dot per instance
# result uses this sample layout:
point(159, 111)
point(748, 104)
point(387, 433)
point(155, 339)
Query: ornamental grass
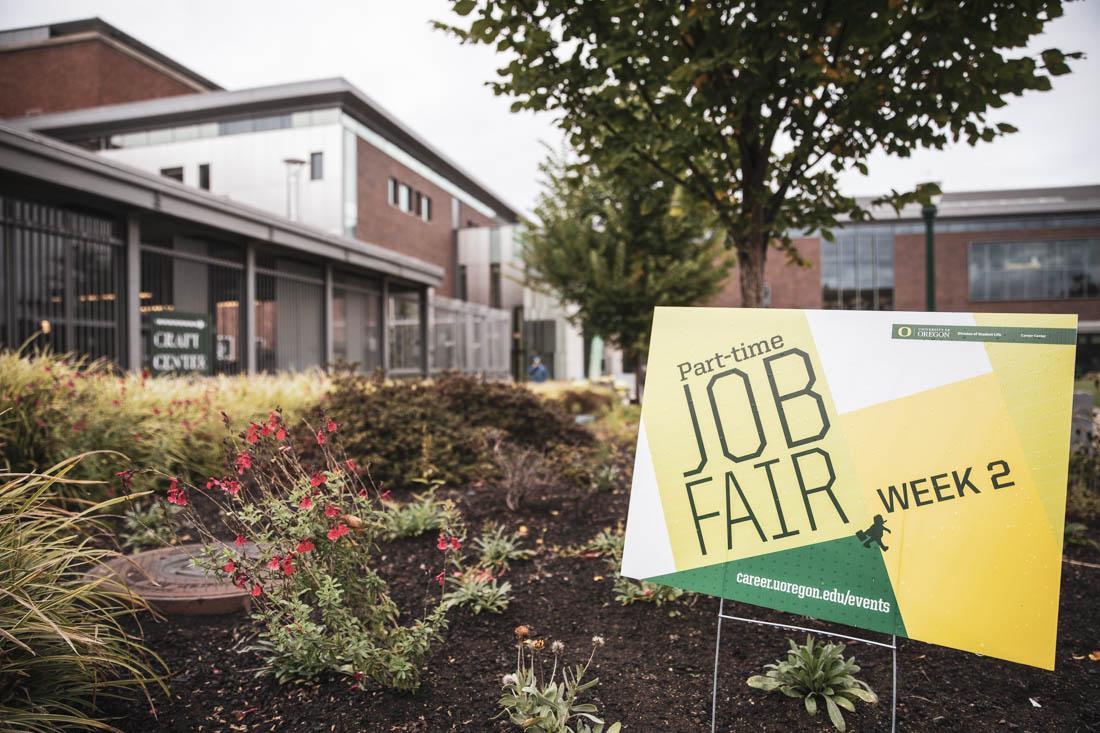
point(64, 644)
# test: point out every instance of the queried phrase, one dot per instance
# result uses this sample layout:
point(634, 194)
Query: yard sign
point(898, 472)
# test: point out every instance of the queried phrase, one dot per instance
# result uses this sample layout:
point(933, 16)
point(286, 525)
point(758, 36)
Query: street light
point(928, 211)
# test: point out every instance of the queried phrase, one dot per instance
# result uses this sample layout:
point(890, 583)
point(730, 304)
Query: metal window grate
point(62, 272)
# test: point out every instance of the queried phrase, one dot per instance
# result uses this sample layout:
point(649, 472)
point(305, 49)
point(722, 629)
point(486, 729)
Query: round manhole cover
point(171, 583)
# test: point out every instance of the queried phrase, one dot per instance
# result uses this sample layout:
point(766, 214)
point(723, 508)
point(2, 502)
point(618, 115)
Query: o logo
point(905, 331)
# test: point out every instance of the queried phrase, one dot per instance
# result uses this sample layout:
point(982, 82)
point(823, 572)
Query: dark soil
point(655, 670)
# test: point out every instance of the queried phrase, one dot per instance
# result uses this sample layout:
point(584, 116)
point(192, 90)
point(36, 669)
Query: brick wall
point(952, 273)
point(791, 286)
point(58, 77)
point(388, 226)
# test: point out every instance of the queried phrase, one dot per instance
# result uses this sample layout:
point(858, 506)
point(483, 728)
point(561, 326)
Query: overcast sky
point(388, 49)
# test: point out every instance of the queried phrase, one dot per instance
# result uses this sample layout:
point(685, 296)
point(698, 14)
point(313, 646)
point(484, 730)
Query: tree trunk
point(750, 270)
point(639, 375)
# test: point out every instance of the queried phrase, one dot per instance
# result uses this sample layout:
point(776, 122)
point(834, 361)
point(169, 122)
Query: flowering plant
point(549, 704)
point(301, 544)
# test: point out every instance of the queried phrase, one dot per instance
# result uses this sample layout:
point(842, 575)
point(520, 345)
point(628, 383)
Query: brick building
point(87, 63)
point(317, 154)
point(1015, 251)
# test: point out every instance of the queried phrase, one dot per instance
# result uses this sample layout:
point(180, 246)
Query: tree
point(755, 107)
point(615, 246)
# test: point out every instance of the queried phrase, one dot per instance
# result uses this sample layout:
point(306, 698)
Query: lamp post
point(928, 211)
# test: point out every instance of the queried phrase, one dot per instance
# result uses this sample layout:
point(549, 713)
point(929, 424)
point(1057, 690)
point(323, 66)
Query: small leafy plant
point(477, 590)
point(816, 672)
point(549, 704)
point(425, 513)
point(149, 526)
point(609, 544)
point(498, 549)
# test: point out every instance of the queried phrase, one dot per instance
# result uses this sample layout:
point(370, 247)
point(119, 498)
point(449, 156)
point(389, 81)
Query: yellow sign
point(900, 472)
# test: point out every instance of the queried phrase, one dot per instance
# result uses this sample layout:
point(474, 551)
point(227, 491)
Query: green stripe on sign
point(1003, 334)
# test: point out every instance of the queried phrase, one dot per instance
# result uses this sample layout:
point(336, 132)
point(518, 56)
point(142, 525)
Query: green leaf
point(834, 715)
point(811, 705)
point(464, 7)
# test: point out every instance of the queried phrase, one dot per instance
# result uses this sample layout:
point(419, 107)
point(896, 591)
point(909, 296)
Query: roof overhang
point(279, 98)
point(66, 166)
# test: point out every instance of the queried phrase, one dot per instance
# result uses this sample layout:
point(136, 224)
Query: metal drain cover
point(171, 583)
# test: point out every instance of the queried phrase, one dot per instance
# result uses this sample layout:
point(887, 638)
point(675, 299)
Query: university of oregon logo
point(905, 331)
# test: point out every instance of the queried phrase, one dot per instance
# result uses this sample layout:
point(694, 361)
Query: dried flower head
point(508, 679)
point(537, 644)
point(522, 632)
point(557, 647)
point(597, 641)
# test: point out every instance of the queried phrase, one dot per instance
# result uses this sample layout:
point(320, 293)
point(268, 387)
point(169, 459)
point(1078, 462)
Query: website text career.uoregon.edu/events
point(832, 595)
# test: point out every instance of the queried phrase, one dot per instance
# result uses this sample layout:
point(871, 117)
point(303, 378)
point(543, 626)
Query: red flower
point(288, 566)
point(280, 434)
point(439, 578)
point(303, 547)
point(256, 590)
point(252, 437)
point(176, 495)
point(321, 439)
point(212, 482)
point(126, 478)
point(350, 465)
point(244, 462)
point(273, 563)
point(231, 486)
point(306, 502)
point(442, 544)
point(331, 511)
point(386, 495)
point(240, 581)
point(338, 531)
point(229, 567)
point(456, 544)
point(363, 493)
point(330, 426)
point(317, 479)
point(239, 542)
point(266, 430)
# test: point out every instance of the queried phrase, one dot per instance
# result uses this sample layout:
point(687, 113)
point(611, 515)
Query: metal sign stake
point(892, 646)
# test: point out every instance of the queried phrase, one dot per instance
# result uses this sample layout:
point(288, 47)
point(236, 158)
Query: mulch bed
point(655, 670)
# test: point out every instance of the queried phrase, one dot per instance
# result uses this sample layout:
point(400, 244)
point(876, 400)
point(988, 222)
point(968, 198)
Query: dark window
point(1035, 270)
point(316, 166)
point(462, 283)
point(494, 285)
point(175, 174)
point(392, 192)
point(204, 176)
point(857, 270)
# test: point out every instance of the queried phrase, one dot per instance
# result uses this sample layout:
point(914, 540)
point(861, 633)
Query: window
point(463, 283)
point(494, 285)
point(857, 270)
point(408, 200)
point(316, 166)
point(204, 176)
point(176, 174)
point(1035, 270)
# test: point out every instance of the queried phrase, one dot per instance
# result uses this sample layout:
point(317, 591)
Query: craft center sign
point(899, 472)
point(178, 343)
